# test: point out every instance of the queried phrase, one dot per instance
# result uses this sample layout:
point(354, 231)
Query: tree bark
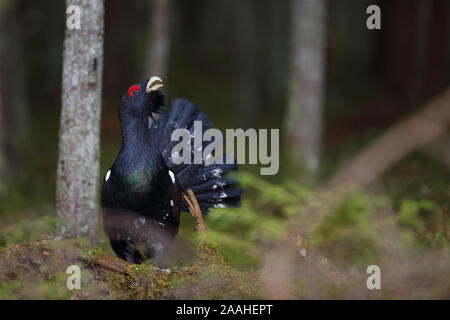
point(159, 41)
point(78, 164)
point(303, 120)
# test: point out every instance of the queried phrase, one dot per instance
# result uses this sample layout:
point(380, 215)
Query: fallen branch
point(109, 263)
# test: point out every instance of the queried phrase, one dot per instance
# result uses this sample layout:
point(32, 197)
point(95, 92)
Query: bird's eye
point(133, 90)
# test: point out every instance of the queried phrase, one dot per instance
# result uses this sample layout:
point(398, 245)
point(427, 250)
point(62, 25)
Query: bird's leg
point(155, 250)
point(195, 210)
point(129, 257)
point(159, 259)
point(131, 253)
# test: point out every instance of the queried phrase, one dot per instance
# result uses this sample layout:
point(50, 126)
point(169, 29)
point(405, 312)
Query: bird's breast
point(141, 189)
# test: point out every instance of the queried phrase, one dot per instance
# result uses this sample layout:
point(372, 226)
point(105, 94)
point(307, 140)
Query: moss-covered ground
point(37, 270)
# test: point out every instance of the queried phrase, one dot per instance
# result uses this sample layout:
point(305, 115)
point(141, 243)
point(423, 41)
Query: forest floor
point(37, 270)
point(402, 226)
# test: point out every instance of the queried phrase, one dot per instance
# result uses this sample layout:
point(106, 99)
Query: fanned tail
point(209, 181)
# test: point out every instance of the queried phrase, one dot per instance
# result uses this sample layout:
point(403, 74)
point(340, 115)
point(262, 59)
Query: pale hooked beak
point(154, 83)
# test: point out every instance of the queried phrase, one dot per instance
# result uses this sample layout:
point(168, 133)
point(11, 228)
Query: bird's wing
point(209, 181)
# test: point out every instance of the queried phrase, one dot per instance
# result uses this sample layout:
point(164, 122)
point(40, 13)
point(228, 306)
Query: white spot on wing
point(171, 203)
point(172, 176)
point(108, 174)
point(216, 172)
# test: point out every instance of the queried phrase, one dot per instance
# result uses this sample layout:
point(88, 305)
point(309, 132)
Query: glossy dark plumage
point(142, 192)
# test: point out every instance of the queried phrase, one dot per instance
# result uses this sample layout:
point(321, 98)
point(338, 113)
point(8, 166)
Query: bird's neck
point(135, 150)
point(135, 133)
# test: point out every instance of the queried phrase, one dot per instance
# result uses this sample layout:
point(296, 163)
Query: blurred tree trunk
point(13, 114)
point(2, 131)
point(78, 164)
point(402, 32)
point(159, 41)
point(436, 73)
point(2, 167)
point(246, 55)
point(303, 120)
point(16, 115)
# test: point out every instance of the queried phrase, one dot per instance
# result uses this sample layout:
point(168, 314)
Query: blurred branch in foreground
point(404, 137)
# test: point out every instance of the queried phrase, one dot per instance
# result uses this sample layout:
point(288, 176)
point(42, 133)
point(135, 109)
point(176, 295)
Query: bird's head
point(143, 99)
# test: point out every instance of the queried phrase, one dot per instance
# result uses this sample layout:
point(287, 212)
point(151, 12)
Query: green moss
point(211, 277)
point(346, 235)
point(94, 254)
point(141, 282)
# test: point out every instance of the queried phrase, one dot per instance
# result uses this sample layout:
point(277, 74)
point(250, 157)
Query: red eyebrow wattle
point(132, 89)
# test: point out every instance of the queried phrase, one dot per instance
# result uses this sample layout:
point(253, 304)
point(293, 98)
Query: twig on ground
point(195, 210)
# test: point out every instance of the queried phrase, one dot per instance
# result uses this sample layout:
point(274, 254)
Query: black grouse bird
point(142, 192)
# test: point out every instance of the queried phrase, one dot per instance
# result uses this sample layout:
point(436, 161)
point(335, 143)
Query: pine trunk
point(303, 120)
point(78, 164)
point(159, 41)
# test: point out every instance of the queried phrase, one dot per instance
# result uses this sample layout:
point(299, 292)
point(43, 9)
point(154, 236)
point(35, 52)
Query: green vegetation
point(227, 262)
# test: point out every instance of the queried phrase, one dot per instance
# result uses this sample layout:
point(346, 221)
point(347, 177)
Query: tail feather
point(208, 181)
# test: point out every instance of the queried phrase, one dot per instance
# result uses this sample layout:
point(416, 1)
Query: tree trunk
point(246, 54)
point(16, 122)
point(78, 164)
point(303, 120)
point(436, 74)
point(2, 173)
point(2, 131)
point(159, 41)
point(402, 32)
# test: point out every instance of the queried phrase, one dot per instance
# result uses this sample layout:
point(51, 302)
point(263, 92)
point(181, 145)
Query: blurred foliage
point(27, 229)
point(243, 233)
point(419, 189)
point(347, 234)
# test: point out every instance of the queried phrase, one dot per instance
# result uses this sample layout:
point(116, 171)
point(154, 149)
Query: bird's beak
point(154, 83)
